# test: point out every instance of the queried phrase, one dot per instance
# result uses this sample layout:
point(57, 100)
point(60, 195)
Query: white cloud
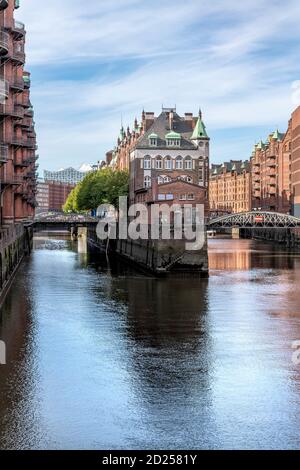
point(226, 56)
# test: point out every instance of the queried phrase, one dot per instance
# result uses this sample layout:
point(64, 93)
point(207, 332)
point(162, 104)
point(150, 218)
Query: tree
point(101, 187)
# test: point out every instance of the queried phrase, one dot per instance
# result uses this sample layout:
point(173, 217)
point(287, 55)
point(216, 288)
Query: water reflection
point(103, 357)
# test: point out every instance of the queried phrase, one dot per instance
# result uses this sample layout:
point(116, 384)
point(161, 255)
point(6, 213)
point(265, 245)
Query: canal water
point(101, 357)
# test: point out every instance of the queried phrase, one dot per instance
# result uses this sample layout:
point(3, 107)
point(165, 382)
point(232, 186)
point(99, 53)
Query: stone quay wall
point(15, 243)
point(159, 257)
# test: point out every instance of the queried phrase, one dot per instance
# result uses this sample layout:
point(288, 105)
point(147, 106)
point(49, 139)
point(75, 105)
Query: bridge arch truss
point(255, 219)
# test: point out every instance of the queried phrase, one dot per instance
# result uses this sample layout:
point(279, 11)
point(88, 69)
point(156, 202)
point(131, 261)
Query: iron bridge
point(254, 219)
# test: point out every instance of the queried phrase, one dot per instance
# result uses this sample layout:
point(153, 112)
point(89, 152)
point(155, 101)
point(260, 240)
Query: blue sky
point(93, 62)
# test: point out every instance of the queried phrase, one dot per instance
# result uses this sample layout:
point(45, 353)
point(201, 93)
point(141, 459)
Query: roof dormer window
point(173, 139)
point(153, 140)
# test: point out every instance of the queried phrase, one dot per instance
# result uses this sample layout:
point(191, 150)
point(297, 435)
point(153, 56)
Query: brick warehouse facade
point(295, 161)
point(263, 184)
point(17, 134)
point(271, 177)
point(167, 158)
point(230, 187)
point(52, 195)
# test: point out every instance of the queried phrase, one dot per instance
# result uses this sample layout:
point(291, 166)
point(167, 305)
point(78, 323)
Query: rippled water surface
point(103, 357)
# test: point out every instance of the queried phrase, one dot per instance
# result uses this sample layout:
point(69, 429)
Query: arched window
point(147, 182)
point(189, 179)
point(168, 163)
point(147, 163)
point(179, 163)
point(160, 180)
point(158, 163)
point(188, 164)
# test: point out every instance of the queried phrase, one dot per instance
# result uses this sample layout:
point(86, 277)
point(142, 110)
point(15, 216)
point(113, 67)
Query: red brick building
point(295, 161)
point(230, 187)
point(167, 157)
point(52, 195)
point(17, 134)
point(271, 175)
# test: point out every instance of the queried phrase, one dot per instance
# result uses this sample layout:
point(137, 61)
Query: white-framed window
point(147, 163)
point(160, 180)
point(182, 197)
point(189, 179)
point(179, 163)
point(153, 141)
point(169, 197)
point(173, 142)
point(147, 182)
point(161, 197)
point(167, 179)
point(159, 163)
point(190, 197)
point(188, 163)
point(168, 163)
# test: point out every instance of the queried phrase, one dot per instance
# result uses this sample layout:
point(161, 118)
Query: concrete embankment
point(159, 257)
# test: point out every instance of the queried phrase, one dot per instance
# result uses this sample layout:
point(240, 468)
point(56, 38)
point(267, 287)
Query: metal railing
point(18, 55)
point(17, 83)
point(4, 41)
point(3, 153)
point(4, 90)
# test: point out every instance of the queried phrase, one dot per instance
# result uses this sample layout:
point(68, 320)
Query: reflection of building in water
point(171, 354)
point(17, 377)
point(248, 254)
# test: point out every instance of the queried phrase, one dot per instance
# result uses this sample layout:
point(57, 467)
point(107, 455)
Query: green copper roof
point(260, 145)
point(153, 136)
point(122, 133)
point(277, 135)
point(173, 135)
point(200, 130)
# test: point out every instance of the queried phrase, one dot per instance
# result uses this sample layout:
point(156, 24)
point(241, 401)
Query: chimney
point(149, 120)
point(171, 119)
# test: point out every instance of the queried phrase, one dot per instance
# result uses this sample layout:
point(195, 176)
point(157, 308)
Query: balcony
point(30, 143)
point(16, 111)
point(18, 55)
point(4, 42)
point(17, 84)
point(29, 112)
point(27, 81)
point(21, 164)
point(18, 29)
point(3, 4)
point(12, 180)
point(4, 90)
point(30, 175)
point(17, 141)
point(26, 122)
point(3, 153)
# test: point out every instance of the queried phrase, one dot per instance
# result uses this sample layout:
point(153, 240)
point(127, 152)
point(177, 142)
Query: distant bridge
point(69, 222)
point(254, 219)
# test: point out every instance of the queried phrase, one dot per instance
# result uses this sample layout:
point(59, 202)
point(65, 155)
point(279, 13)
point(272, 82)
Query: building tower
point(17, 133)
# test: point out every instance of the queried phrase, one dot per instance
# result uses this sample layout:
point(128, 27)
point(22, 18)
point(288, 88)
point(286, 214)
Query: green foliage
point(100, 187)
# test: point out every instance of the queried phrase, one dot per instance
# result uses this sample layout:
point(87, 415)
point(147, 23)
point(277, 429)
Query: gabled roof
point(161, 127)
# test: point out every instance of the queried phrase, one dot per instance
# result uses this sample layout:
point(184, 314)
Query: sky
point(96, 63)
